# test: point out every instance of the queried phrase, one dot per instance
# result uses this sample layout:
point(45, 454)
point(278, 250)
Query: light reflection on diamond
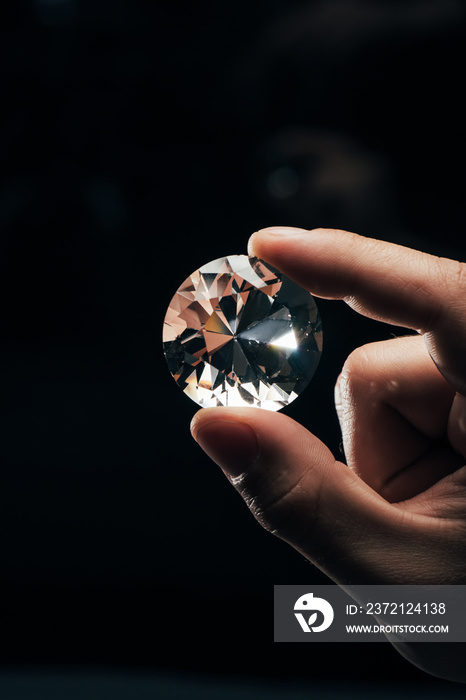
point(239, 333)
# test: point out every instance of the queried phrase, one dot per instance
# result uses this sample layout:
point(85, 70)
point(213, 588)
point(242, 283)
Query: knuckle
point(450, 275)
point(358, 360)
point(357, 372)
point(458, 274)
point(461, 275)
point(452, 272)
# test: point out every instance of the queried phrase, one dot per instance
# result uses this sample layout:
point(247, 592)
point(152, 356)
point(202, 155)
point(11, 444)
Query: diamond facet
point(240, 333)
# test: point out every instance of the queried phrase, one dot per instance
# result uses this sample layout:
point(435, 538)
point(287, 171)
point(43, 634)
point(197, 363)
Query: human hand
point(397, 514)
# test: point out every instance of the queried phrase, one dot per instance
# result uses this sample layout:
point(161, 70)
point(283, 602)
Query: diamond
point(240, 333)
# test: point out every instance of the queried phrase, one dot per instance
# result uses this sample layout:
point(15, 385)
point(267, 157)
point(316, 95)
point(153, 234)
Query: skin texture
point(402, 410)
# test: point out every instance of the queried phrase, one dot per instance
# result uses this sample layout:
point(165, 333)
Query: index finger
point(381, 280)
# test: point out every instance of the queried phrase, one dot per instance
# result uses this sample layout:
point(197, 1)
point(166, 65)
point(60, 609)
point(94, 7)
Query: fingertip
point(252, 244)
point(217, 414)
point(264, 235)
point(202, 417)
point(231, 444)
point(194, 423)
point(228, 436)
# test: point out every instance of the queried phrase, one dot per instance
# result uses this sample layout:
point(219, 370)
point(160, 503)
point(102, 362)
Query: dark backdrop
point(138, 141)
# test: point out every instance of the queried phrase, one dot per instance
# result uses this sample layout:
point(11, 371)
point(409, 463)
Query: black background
point(138, 141)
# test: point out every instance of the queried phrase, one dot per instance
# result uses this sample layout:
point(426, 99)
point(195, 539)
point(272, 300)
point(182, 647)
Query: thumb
point(296, 489)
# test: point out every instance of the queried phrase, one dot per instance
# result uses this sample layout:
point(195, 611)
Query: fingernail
point(230, 444)
point(274, 231)
point(283, 231)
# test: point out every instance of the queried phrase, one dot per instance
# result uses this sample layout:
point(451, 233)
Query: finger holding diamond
point(381, 280)
point(298, 491)
point(289, 479)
